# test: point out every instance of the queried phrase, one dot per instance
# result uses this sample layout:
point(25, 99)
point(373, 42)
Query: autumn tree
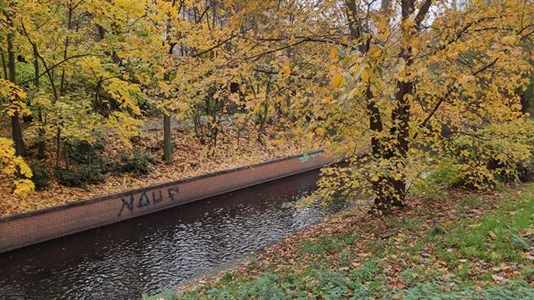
point(418, 68)
point(393, 87)
point(10, 14)
point(90, 62)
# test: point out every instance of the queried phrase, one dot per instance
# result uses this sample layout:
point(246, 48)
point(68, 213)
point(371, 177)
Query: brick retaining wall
point(39, 226)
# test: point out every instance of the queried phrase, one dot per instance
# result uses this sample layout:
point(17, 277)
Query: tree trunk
point(263, 119)
point(215, 124)
point(15, 123)
point(41, 148)
point(390, 191)
point(525, 102)
point(263, 116)
point(167, 147)
point(4, 65)
point(58, 146)
point(67, 154)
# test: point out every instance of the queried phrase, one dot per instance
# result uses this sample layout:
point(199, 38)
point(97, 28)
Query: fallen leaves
point(402, 263)
point(497, 278)
point(386, 235)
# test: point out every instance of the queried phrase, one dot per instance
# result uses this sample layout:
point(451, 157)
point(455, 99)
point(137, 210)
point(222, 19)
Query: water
point(161, 250)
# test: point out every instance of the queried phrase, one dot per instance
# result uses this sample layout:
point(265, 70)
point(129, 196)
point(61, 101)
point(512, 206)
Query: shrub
point(445, 175)
point(481, 160)
point(494, 154)
point(87, 165)
point(80, 176)
point(497, 153)
point(83, 152)
point(41, 176)
point(525, 171)
point(139, 163)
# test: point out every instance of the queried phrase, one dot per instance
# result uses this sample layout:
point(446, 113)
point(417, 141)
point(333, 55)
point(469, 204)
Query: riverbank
point(465, 246)
point(119, 168)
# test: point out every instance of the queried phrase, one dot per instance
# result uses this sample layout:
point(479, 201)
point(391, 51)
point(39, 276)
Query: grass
point(476, 246)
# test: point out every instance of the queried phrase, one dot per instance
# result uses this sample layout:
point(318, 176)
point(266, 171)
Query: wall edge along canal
point(38, 226)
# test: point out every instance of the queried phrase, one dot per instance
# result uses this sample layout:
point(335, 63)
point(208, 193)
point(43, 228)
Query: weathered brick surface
point(26, 229)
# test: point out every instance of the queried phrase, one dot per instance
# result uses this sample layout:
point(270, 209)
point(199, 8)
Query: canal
point(149, 254)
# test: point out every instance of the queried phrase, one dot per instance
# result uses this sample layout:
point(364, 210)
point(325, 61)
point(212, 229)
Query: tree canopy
point(398, 89)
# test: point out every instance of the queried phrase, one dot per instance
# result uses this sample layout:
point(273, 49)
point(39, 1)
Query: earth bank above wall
point(34, 227)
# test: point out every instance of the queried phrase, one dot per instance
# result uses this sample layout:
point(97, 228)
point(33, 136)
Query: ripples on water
point(158, 251)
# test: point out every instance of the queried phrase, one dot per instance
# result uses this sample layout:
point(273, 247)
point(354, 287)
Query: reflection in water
point(158, 251)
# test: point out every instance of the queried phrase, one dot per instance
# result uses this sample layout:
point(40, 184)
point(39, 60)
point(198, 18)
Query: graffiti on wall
point(305, 158)
point(144, 201)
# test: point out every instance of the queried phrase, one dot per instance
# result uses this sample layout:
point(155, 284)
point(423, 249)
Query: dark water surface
point(158, 251)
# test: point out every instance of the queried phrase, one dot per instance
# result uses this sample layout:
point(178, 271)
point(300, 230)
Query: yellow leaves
point(383, 24)
point(464, 153)
point(415, 41)
point(15, 97)
point(464, 79)
point(366, 75)
point(510, 40)
point(23, 168)
point(400, 70)
point(23, 187)
point(461, 47)
point(328, 100)
point(375, 51)
point(11, 91)
point(7, 152)
point(320, 132)
point(15, 167)
point(163, 86)
point(334, 54)
point(42, 100)
point(120, 11)
point(286, 68)
point(408, 23)
point(124, 93)
point(125, 125)
point(20, 94)
point(91, 63)
point(337, 80)
point(383, 27)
